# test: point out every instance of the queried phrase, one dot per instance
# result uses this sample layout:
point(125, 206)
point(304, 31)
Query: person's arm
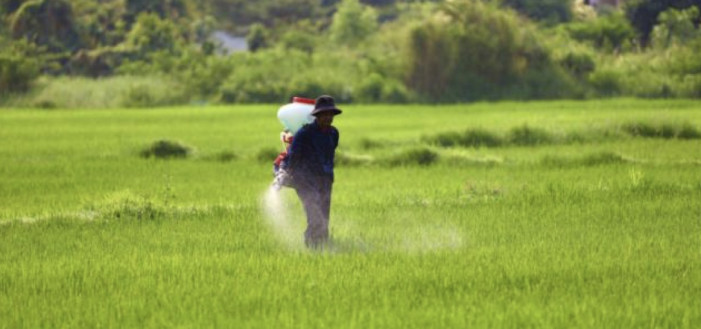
point(336, 136)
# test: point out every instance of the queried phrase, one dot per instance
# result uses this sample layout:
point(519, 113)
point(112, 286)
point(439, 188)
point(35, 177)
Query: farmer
point(310, 166)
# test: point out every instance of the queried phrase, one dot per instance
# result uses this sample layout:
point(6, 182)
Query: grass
point(603, 232)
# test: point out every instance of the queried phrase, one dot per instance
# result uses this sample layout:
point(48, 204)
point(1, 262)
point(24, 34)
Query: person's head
point(324, 110)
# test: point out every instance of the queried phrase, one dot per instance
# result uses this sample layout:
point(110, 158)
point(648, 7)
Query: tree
point(150, 33)
point(353, 22)
point(257, 37)
point(549, 11)
point(303, 37)
point(9, 6)
point(170, 9)
point(49, 23)
point(101, 22)
point(19, 65)
point(611, 32)
point(643, 14)
point(286, 12)
point(675, 27)
point(271, 13)
point(472, 50)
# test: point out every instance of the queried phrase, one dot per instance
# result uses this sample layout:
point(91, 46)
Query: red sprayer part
point(303, 100)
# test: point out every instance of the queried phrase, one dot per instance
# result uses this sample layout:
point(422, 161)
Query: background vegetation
point(359, 51)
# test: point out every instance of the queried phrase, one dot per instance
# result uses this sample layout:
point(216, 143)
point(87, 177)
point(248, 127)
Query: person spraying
point(308, 167)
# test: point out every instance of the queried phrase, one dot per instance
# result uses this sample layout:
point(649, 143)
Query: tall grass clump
point(592, 135)
point(688, 131)
point(664, 130)
point(368, 144)
point(352, 160)
point(473, 137)
point(128, 206)
point(529, 136)
point(166, 149)
point(422, 156)
point(602, 158)
point(446, 139)
point(586, 160)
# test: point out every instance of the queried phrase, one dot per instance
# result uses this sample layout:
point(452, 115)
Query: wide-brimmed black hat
point(324, 104)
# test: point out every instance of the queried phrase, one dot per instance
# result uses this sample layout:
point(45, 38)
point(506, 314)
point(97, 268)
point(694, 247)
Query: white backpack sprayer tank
point(292, 116)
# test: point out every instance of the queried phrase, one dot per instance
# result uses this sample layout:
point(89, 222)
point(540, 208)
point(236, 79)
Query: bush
point(146, 94)
point(370, 89)
point(578, 64)
point(376, 88)
point(394, 91)
point(166, 149)
point(684, 60)
point(606, 83)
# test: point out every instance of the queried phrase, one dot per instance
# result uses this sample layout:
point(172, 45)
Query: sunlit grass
point(597, 233)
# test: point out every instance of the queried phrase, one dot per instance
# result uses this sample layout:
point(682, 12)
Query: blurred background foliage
point(58, 53)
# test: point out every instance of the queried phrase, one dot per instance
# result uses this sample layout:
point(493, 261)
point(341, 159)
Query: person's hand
point(282, 178)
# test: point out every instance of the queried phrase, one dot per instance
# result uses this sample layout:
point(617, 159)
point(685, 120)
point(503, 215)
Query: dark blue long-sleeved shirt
point(312, 151)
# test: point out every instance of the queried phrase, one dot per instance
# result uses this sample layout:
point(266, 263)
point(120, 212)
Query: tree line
point(364, 51)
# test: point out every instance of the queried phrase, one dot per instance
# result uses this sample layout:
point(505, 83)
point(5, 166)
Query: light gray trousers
point(315, 193)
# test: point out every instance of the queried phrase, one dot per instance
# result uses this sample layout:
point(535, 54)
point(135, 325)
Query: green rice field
point(554, 214)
